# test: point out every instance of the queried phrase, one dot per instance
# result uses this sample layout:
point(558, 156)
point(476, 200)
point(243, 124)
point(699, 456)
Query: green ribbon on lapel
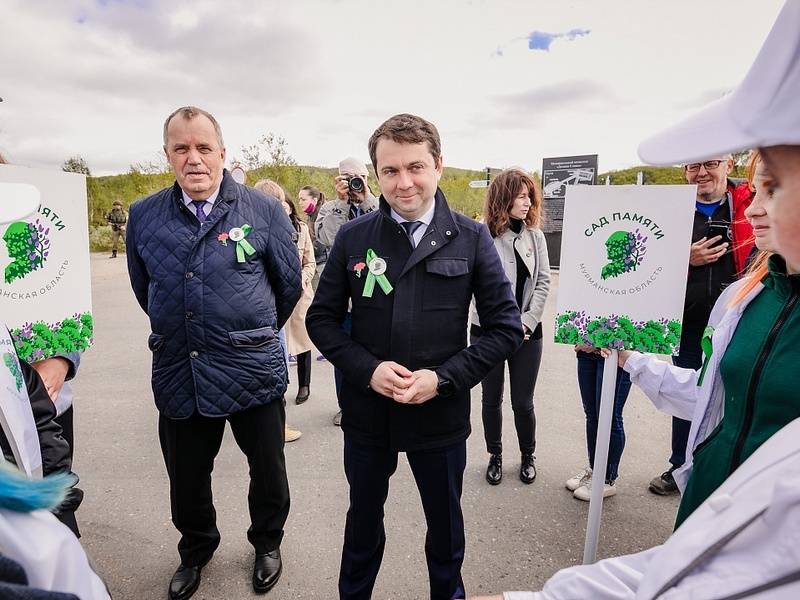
point(708, 349)
point(377, 269)
point(237, 234)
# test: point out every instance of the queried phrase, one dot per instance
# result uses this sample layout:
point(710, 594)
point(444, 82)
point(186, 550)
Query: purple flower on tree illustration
point(625, 250)
point(29, 245)
point(661, 336)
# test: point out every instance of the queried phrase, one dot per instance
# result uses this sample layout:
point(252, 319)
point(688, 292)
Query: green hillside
point(103, 191)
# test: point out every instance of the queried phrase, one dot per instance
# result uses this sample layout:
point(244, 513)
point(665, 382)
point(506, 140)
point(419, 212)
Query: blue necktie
point(411, 227)
point(198, 208)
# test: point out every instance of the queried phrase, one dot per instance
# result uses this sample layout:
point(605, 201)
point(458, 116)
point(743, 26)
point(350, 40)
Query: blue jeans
point(690, 356)
point(590, 381)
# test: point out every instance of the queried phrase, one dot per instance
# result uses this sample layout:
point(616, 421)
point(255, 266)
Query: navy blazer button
point(194, 354)
point(189, 314)
point(189, 275)
point(192, 237)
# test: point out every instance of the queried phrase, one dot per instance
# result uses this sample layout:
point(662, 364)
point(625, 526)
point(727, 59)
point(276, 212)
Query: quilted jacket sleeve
point(137, 271)
point(283, 265)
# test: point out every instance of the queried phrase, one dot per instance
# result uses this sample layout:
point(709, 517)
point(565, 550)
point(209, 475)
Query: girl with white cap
point(742, 541)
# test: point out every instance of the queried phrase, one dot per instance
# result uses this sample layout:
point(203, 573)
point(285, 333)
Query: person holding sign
point(738, 398)
point(590, 383)
point(742, 541)
point(513, 212)
point(410, 270)
point(45, 383)
point(721, 241)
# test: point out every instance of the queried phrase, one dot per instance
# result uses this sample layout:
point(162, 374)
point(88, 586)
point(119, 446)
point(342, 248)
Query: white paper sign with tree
point(45, 290)
point(624, 260)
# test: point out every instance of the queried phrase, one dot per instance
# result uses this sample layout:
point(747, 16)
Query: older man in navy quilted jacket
point(213, 265)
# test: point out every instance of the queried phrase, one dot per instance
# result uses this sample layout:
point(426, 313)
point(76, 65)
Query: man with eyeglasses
point(721, 241)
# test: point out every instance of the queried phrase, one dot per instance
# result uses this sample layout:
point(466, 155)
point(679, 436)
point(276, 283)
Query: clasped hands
point(393, 380)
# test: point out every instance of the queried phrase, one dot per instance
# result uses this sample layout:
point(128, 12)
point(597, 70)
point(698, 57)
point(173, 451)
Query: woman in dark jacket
point(311, 200)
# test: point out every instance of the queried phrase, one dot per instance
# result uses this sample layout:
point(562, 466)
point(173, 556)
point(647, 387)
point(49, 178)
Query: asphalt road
point(517, 535)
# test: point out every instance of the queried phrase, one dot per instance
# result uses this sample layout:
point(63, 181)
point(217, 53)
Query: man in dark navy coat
point(214, 266)
point(410, 270)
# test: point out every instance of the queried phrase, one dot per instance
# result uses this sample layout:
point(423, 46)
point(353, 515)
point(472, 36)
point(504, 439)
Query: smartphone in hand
point(722, 228)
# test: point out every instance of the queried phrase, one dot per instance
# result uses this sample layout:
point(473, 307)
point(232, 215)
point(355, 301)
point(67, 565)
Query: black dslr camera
point(355, 183)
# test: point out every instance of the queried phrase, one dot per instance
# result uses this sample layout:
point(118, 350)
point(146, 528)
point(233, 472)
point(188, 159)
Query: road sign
point(479, 183)
point(239, 174)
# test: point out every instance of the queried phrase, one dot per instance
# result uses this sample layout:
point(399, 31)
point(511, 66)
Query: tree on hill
point(740, 160)
point(76, 164)
point(652, 176)
point(157, 166)
point(269, 158)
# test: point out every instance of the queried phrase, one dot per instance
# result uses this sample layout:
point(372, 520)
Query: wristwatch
point(445, 386)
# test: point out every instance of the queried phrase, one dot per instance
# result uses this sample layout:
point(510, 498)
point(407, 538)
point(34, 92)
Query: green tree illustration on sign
point(660, 336)
point(28, 244)
point(626, 251)
point(11, 364)
point(35, 341)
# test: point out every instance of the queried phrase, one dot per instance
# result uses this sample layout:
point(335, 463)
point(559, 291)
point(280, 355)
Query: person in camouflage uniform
point(116, 219)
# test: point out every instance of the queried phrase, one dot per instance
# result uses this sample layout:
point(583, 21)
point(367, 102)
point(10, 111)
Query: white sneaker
point(579, 480)
point(585, 491)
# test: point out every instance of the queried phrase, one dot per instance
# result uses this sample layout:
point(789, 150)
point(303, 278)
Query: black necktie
point(198, 209)
point(411, 227)
point(355, 211)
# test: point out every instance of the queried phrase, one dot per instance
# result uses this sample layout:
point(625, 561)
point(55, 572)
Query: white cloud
point(98, 78)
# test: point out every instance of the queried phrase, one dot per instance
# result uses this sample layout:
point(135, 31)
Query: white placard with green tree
point(45, 290)
point(624, 259)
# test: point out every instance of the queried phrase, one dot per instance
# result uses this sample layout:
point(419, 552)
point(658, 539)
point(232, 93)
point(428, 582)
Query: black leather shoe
point(494, 472)
point(184, 582)
point(302, 394)
point(527, 471)
point(267, 570)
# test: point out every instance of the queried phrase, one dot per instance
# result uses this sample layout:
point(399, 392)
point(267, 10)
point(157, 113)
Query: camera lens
point(356, 184)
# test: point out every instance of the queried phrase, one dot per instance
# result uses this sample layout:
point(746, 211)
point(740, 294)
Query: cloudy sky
point(507, 82)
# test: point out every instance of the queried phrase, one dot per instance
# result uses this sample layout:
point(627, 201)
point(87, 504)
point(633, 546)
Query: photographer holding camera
point(354, 198)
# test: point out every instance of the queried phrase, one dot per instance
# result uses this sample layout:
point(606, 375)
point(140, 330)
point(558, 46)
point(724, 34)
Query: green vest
point(760, 371)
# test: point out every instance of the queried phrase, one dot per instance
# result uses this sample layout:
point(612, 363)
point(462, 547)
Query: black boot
point(527, 471)
point(113, 254)
point(494, 472)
